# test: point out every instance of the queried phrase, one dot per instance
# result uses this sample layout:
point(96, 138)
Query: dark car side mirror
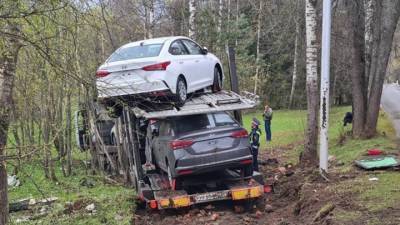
point(204, 51)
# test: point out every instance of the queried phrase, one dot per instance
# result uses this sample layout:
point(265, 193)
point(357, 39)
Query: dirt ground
point(298, 197)
point(292, 202)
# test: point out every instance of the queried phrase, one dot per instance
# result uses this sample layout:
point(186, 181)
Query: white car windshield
point(136, 52)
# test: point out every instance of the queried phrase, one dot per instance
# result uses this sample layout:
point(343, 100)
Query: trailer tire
point(140, 204)
point(260, 202)
point(173, 182)
point(248, 170)
point(217, 84)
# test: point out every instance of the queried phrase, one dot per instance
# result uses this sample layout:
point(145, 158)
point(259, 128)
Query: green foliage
point(114, 204)
point(288, 126)
point(370, 197)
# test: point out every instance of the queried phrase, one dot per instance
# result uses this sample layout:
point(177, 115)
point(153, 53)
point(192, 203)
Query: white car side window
point(193, 48)
point(177, 48)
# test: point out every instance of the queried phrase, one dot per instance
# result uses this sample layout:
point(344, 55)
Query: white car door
point(203, 71)
point(182, 58)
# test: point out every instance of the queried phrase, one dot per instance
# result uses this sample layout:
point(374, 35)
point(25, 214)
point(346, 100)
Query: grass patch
point(375, 195)
point(346, 216)
point(288, 128)
point(113, 203)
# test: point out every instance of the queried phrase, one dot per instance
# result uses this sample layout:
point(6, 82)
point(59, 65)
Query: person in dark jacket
point(255, 141)
point(348, 118)
point(267, 115)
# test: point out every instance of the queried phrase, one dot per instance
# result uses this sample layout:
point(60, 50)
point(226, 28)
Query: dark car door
point(161, 143)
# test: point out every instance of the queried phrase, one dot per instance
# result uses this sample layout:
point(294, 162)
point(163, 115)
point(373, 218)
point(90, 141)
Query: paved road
point(391, 104)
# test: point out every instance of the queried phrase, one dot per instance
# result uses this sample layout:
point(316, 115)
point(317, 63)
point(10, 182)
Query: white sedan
point(169, 66)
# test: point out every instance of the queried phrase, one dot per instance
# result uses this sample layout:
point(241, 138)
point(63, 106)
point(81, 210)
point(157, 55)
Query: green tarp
point(376, 162)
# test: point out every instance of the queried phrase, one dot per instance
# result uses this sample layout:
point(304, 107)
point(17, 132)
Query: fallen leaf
point(214, 216)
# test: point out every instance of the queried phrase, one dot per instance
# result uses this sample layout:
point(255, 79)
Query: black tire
point(172, 180)
point(141, 205)
point(217, 85)
point(181, 92)
point(113, 140)
point(260, 203)
point(248, 170)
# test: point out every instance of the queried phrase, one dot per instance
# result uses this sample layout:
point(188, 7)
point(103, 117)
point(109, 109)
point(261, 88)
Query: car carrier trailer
point(123, 150)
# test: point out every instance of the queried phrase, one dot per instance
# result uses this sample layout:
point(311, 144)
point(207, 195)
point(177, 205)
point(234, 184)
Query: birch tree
point(192, 16)
point(310, 151)
point(149, 18)
point(368, 19)
point(296, 50)
point(220, 8)
point(259, 19)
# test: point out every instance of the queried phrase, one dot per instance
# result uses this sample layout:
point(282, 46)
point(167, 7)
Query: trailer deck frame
point(152, 186)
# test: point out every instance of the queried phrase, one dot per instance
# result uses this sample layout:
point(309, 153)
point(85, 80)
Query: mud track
point(299, 197)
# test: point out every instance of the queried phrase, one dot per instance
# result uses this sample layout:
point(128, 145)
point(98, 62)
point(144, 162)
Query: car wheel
point(248, 170)
point(170, 179)
point(217, 85)
point(181, 92)
point(113, 140)
point(173, 182)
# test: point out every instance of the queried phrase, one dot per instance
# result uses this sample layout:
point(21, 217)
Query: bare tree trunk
point(334, 86)
point(8, 62)
point(47, 119)
point(220, 8)
point(237, 21)
point(17, 138)
point(68, 135)
point(356, 18)
point(310, 152)
point(103, 15)
point(258, 47)
point(387, 16)
point(368, 19)
point(192, 17)
point(296, 50)
point(149, 18)
point(228, 17)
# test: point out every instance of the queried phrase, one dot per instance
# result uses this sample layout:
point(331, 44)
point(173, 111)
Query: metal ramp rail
point(205, 103)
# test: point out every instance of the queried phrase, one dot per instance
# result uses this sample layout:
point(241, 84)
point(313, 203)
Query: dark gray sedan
point(196, 144)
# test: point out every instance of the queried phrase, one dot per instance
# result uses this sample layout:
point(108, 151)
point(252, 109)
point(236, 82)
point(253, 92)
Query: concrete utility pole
point(325, 66)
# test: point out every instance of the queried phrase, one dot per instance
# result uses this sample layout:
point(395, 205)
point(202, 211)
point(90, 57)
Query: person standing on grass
point(267, 115)
point(255, 141)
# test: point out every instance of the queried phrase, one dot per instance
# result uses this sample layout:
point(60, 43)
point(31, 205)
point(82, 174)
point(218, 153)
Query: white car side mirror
point(204, 50)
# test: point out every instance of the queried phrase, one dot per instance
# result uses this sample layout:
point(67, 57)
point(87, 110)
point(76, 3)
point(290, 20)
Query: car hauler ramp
point(205, 103)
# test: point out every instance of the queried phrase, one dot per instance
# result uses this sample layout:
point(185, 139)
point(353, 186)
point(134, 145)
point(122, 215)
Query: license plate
point(212, 196)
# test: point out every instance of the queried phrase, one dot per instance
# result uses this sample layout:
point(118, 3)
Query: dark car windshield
point(190, 123)
point(136, 52)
